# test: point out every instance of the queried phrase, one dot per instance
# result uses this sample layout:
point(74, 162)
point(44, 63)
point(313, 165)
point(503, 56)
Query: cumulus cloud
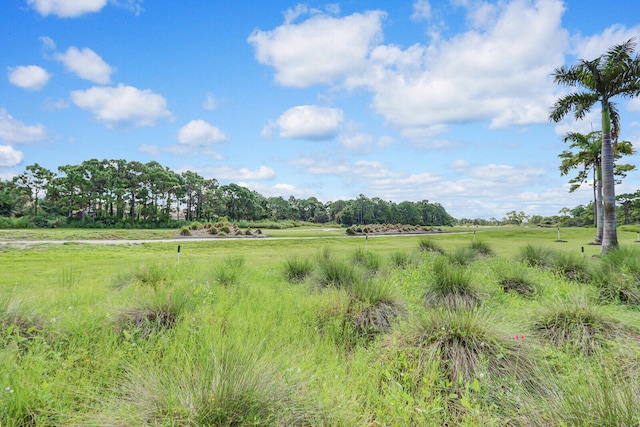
point(494, 71)
point(66, 8)
point(235, 174)
point(13, 131)
point(30, 77)
point(421, 10)
point(591, 47)
point(210, 103)
point(322, 49)
point(199, 132)
point(122, 105)
point(9, 156)
point(357, 142)
point(310, 122)
point(86, 64)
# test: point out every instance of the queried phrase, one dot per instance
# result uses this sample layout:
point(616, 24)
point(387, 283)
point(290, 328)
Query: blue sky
point(443, 100)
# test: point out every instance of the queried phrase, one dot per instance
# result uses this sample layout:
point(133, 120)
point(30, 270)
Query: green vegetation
point(321, 331)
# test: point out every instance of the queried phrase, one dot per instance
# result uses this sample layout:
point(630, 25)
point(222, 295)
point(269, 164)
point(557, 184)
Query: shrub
point(196, 225)
point(450, 286)
point(185, 231)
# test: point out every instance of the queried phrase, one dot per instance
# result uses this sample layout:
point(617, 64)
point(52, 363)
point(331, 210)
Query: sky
point(439, 100)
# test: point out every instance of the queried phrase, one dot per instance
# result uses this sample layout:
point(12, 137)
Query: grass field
point(500, 326)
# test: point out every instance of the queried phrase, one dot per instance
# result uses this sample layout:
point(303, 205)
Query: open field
point(498, 327)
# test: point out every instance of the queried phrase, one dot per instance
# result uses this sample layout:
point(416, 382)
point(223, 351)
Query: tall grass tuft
point(450, 286)
point(228, 273)
point(297, 269)
point(576, 323)
point(571, 266)
point(400, 259)
point(465, 345)
point(429, 245)
point(617, 276)
point(482, 248)
point(370, 261)
point(462, 255)
point(518, 279)
point(374, 306)
point(159, 312)
point(536, 256)
point(337, 273)
point(215, 382)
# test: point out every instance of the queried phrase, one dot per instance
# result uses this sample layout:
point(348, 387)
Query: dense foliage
point(119, 193)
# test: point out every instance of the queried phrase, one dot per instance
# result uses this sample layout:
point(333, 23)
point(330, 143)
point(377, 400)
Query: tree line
point(120, 193)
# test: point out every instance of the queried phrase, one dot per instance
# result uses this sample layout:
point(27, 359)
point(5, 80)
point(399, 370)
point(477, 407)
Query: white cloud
point(592, 47)
point(10, 157)
point(235, 174)
point(493, 71)
point(122, 105)
point(210, 103)
point(86, 64)
point(31, 77)
point(53, 105)
point(320, 50)
point(13, 131)
point(310, 122)
point(199, 132)
point(421, 10)
point(66, 8)
point(282, 190)
point(47, 42)
point(634, 105)
point(357, 142)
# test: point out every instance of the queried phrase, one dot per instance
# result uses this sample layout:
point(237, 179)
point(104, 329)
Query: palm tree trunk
point(609, 231)
point(597, 195)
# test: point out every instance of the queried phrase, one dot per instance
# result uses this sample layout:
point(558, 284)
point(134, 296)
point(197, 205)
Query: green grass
point(239, 332)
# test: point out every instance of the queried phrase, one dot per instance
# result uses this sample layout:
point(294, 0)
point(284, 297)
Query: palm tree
point(616, 73)
point(589, 157)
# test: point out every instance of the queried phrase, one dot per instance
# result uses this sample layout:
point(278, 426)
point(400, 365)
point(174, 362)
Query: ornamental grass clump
point(335, 272)
point(400, 259)
point(517, 279)
point(216, 381)
point(429, 245)
point(482, 248)
point(374, 306)
point(464, 345)
point(450, 286)
point(462, 255)
point(617, 276)
point(370, 261)
point(536, 256)
point(160, 311)
point(18, 318)
point(571, 266)
point(228, 273)
point(575, 323)
point(296, 269)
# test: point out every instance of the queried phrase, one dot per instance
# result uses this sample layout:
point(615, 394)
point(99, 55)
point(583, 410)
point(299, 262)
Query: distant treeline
point(120, 193)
